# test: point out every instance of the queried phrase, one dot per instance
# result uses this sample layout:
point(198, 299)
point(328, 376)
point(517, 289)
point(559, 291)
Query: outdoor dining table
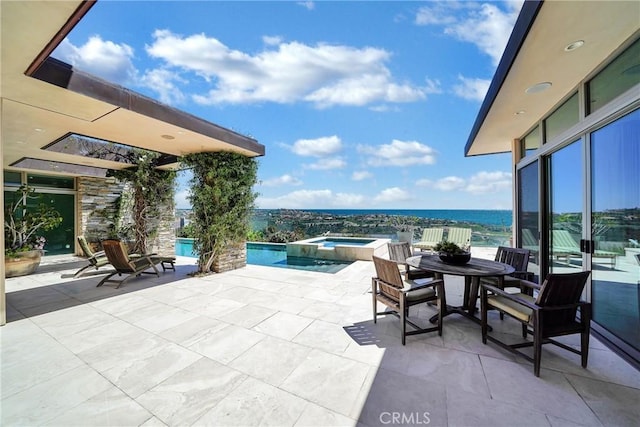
point(472, 272)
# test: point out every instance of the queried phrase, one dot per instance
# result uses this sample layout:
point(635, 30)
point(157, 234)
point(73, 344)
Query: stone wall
point(98, 206)
point(235, 256)
point(99, 202)
point(165, 242)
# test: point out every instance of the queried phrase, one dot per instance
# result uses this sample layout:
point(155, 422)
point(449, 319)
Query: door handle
point(586, 246)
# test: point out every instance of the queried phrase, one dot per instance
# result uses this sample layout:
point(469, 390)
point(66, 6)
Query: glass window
point(50, 181)
point(566, 197)
point(619, 76)
point(615, 219)
point(562, 119)
point(60, 240)
point(529, 211)
point(531, 142)
point(12, 178)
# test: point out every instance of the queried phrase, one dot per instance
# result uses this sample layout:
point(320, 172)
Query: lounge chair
point(118, 256)
point(430, 238)
point(95, 259)
point(564, 245)
point(531, 243)
point(460, 236)
point(166, 261)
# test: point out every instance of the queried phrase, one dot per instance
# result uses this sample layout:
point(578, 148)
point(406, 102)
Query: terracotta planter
point(22, 264)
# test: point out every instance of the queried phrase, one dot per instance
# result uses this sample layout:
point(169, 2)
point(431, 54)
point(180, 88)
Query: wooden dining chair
point(518, 258)
point(552, 313)
point(399, 252)
point(389, 289)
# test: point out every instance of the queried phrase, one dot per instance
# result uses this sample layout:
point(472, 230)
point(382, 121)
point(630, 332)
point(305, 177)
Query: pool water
point(332, 242)
point(272, 255)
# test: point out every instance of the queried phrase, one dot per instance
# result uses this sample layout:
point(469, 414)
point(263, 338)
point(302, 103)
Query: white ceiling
point(36, 113)
point(603, 25)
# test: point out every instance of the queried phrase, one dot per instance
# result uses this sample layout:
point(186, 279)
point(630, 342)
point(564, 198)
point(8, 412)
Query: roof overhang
point(536, 53)
point(44, 100)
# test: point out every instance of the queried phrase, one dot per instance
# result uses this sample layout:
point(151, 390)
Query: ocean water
point(478, 216)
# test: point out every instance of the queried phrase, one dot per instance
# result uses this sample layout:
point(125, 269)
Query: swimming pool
point(272, 255)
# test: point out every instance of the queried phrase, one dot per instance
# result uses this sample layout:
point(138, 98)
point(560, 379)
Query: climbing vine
point(151, 198)
point(222, 200)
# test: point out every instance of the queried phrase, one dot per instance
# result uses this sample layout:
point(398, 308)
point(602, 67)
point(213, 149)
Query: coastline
point(384, 223)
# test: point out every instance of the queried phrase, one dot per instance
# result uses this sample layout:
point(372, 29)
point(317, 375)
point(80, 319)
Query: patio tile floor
point(265, 346)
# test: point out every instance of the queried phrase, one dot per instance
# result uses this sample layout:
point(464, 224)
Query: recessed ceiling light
point(519, 113)
point(538, 87)
point(167, 136)
point(19, 142)
point(574, 45)
point(38, 129)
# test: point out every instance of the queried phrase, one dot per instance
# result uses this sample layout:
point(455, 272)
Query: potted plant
point(451, 253)
point(404, 230)
point(23, 245)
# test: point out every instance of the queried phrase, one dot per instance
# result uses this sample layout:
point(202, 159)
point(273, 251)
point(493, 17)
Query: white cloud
point(399, 153)
point(432, 86)
point(480, 183)
point(361, 175)
point(272, 40)
point(348, 200)
point(108, 60)
point(489, 182)
point(296, 199)
point(449, 183)
point(362, 90)
point(390, 195)
point(471, 89)
point(309, 5)
point(162, 81)
point(435, 14)
point(311, 198)
point(327, 164)
point(322, 74)
point(318, 147)
point(384, 108)
point(483, 24)
point(281, 180)
point(181, 199)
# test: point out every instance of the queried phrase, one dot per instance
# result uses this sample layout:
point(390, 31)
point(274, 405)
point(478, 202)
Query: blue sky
point(359, 104)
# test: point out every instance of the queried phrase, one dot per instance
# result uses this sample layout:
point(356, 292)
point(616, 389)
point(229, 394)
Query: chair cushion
point(421, 294)
point(509, 281)
point(511, 307)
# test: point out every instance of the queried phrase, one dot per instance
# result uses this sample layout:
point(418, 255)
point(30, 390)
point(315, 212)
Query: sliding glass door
point(565, 206)
point(529, 214)
point(615, 228)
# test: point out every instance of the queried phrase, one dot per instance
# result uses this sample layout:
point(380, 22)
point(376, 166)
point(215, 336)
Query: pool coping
point(310, 248)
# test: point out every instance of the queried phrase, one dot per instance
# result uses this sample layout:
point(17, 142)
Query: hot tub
point(338, 248)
